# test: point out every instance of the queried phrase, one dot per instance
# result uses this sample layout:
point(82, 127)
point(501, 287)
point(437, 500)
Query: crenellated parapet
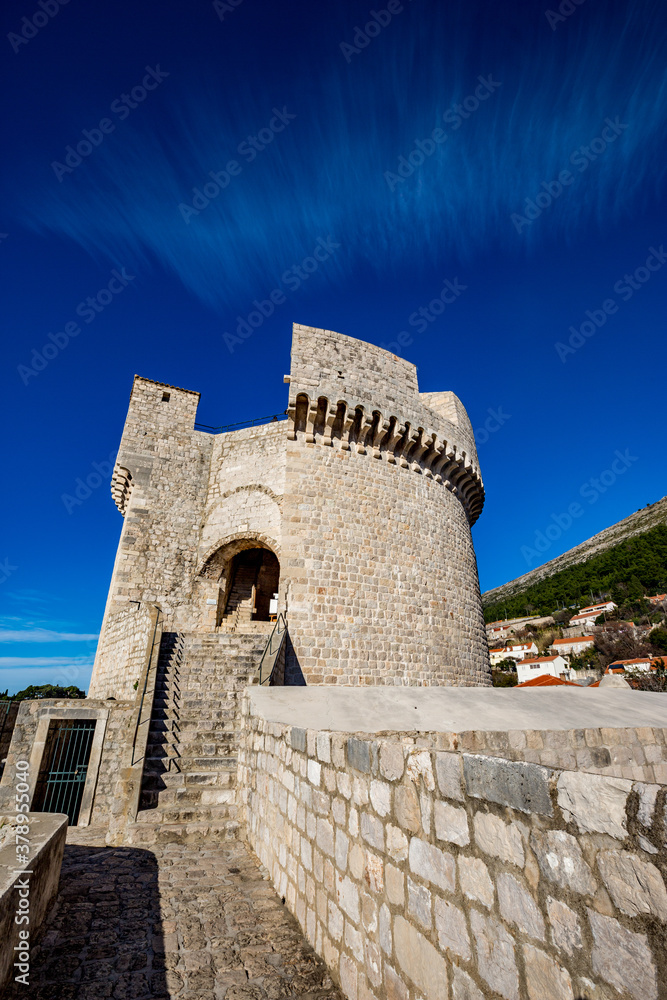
point(390, 438)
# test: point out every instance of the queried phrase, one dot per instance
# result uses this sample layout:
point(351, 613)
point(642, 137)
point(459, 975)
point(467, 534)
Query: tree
point(45, 691)
point(502, 679)
point(617, 642)
point(658, 639)
point(507, 665)
point(587, 659)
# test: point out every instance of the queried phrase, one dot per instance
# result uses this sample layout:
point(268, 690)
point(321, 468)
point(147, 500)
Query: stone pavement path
point(177, 922)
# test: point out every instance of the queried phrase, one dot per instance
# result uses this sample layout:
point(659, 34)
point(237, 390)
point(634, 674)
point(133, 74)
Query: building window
point(166, 396)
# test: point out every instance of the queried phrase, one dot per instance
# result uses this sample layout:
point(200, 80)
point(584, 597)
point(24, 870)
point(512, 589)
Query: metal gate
point(64, 767)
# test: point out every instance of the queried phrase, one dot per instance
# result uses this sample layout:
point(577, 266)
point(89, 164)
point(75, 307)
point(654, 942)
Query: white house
point(597, 609)
point(572, 646)
point(541, 665)
point(520, 650)
point(583, 620)
point(498, 654)
point(642, 664)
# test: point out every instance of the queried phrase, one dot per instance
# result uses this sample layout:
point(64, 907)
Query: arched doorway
point(247, 573)
point(253, 581)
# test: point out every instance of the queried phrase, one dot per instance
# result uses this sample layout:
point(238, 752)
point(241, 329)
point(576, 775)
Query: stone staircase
point(240, 602)
point(189, 779)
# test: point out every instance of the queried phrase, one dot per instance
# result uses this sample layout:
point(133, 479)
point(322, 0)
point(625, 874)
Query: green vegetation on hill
point(44, 691)
point(626, 571)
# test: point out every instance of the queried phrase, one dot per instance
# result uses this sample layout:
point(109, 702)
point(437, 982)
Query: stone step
point(173, 780)
point(200, 764)
point(188, 795)
point(163, 726)
point(194, 813)
point(182, 833)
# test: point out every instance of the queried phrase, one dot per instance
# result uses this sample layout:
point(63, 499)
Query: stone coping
point(456, 709)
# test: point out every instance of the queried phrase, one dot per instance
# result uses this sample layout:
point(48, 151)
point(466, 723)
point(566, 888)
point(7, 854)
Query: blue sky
point(517, 154)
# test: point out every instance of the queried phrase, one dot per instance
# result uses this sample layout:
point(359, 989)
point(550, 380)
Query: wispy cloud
point(45, 635)
point(326, 175)
point(12, 662)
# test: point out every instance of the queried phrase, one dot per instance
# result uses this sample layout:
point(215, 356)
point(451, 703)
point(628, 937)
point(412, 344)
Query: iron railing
point(5, 709)
point(7, 705)
point(158, 619)
point(272, 418)
point(272, 649)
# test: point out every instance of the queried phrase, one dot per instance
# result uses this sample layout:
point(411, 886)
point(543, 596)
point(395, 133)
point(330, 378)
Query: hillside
point(643, 520)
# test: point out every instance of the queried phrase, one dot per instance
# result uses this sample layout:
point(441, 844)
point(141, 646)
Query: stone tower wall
point(246, 485)
point(379, 574)
point(159, 484)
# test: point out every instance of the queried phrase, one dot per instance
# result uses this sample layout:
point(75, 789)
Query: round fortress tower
point(381, 487)
point(356, 512)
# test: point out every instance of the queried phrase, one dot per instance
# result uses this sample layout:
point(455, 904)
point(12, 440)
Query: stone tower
point(356, 512)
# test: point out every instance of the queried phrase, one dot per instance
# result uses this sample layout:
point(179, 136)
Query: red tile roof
point(546, 680)
point(573, 639)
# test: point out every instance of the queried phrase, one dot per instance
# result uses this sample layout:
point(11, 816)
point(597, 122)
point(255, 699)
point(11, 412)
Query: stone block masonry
point(423, 873)
point(123, 651)
point(118, 732)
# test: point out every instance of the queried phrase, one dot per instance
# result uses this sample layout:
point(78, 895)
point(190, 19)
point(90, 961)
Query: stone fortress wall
point(366, 495)
point(422, 873)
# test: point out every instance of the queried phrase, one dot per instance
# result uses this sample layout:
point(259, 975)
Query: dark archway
point(254, 575)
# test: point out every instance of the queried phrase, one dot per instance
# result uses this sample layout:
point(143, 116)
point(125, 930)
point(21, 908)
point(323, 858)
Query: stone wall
point(380, 577)
point(168, 462)
point(246, 484)
point(418, 873)
point(122, 652)
point(118, 735)
point(638, 753)
point(46, 843)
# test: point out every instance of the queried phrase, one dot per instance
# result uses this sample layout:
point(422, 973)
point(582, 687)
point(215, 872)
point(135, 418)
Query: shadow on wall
point(104, 934)
point(293, 676)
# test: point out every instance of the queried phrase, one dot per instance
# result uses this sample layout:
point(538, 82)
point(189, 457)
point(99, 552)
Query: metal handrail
point(242, 423)
point(9, 704)
point(272, 649)
point(158, 619)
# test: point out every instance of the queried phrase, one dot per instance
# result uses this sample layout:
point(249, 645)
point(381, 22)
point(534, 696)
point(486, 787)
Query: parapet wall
point(416, 871)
